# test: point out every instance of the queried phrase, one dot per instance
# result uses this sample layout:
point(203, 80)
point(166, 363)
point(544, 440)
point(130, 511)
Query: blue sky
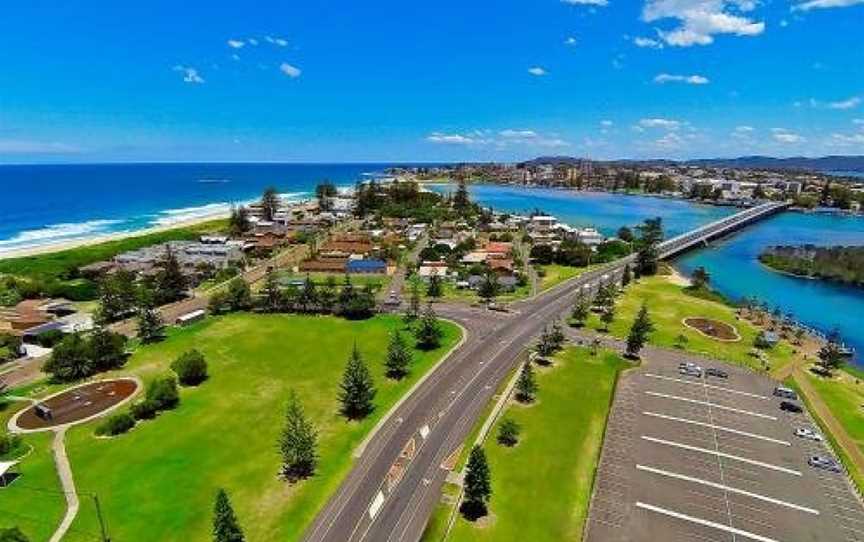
point(340, 80)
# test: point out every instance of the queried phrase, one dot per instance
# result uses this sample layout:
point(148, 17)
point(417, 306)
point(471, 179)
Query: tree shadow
point(473, 510)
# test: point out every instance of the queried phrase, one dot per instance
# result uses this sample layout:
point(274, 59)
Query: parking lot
point(712, 459)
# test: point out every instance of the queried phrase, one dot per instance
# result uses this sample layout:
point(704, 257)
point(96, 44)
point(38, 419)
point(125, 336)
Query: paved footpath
point(64, 471)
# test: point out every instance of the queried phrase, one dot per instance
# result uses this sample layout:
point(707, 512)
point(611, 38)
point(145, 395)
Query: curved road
point(396, 482)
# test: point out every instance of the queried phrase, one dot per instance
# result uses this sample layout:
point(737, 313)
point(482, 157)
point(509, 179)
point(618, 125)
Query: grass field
point(158, 482)
point(555, 274)
point(668, 304)
point(551, 471)
point(56, 266)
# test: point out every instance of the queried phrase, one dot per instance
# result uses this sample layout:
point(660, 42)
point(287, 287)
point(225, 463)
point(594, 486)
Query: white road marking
point(721, 454)
point(704, 522)
point(718, 427)
point(698, 383)
point(424, 431)
point(712, 405)
point(730, 489)
point(376, 505)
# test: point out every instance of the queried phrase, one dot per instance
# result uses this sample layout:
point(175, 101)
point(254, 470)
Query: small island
point(837, 263)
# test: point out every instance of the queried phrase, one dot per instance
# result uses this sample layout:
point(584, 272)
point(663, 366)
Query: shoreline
point(60, 246)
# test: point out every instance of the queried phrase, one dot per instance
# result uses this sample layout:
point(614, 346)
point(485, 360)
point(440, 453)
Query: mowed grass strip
point(541, 488)
point(158, 482)
point(555, 274)
point(668, 305)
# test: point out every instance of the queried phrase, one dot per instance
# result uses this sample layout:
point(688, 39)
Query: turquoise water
point(732, 262)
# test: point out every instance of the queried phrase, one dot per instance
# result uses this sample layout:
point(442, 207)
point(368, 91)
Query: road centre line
point(709, 404)
point(710, 386)
point(715, 485)
point(721, 454)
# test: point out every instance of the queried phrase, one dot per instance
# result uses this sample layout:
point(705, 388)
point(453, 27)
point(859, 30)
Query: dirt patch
point(77, 404)
point(714, 329)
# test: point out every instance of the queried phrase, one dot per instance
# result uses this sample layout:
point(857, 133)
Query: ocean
point(49, 204)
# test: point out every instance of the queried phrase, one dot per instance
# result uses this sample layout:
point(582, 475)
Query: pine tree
point(608, 315)
point(434, 289)
point(270, 203)
point(428, 332)
point(581, 310)
point(239, 294)
point(171, 282)
point(272, 298)
point(225, 525)
point(357, 390)
point(556, 336)
point(639, 332)
point(526, 385)
point(398, 357)
point(238, 223)
point(489, 287)
point(626, 276)
point(461, 200)
point(478, 485)
point(150, 324)
point(298, 442)
point(508, 432)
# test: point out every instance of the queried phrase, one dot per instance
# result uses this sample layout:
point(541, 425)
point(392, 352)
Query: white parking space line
point(717, 427)
point(710, 386)
point(721, 454)
point(704, 522)
point(376, 505)
point(709, 404)
point(729, 489)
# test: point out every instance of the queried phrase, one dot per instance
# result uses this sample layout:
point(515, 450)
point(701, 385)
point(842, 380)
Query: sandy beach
point(75, 243)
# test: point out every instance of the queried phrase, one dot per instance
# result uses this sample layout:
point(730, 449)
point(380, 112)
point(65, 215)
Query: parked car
point(785, 393)
point(689, 365)
point(715, 372)
point(824, 463)
point(789, 406)
point(809, 434)
point(690, 371)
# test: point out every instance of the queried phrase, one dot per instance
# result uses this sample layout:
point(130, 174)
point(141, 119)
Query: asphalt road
point(396, 481)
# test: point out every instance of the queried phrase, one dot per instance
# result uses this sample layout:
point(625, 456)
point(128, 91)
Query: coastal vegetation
point(56, 274)
point(550, 469)
point(225, 432)
point(837, 263)
point(670, 304)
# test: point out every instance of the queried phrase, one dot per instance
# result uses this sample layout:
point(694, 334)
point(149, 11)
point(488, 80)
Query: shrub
point(191, 368)
point(13, 534)
point(163, 393)
point(116, 425)
point(145, 410)
point(9, 444)
point(50, 338)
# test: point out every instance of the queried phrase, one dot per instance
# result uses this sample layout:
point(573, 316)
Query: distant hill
point(825, 163)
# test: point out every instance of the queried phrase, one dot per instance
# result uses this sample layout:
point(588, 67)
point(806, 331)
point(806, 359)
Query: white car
point(808, 434)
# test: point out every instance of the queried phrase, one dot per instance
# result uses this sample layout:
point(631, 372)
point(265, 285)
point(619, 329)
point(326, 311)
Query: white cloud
point(537, 71)
point(858, 121)
point(252, 41)
point(782, 135)
point(289, 70)
point(670, 141)
point(689, 79)
point(236, 44)
point(744, 129)
point(661, 123)
point(235, 56)
point(851, 103)
point(700, 20)
point(451, 139)
point(571, 41)
point(281, 42)
point(823, 4)
point(21, 146)
point(607, 123)
point(500, 140)
point(601, 3)
point(648, 42)
point(846, 140)
point(190, 75)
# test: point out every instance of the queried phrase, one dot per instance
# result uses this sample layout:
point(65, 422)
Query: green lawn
point(555, 274)
point(542, 487)
point(158, 482)
point(668, 305)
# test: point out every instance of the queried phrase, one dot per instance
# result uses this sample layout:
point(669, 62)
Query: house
point(326, 265)
point(497, 248)
point(366, 267)
point(191, 317)
point(542, 224)
point(475, 257)
point(430, 269)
